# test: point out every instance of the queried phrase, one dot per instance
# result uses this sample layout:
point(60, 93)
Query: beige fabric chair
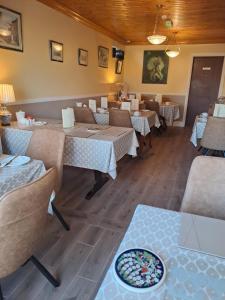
point(205, 189)
point(48, 145)
point(84, 115)
point(23, 218)
point(120, 118)
point(154, 106)
point(214, 134)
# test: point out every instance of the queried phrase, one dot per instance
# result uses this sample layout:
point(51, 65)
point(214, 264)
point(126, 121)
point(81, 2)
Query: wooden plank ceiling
point(131, 21)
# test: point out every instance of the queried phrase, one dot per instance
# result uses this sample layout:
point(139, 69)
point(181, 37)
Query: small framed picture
point(56, 51)
point(10, 29)
point(119, 66)
point(82, 57)
point(103, 57)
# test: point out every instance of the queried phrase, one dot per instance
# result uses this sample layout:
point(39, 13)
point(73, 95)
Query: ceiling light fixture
point(173, 50)
point(156, 39)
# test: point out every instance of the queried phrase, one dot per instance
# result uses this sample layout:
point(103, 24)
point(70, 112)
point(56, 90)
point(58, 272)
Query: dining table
point(170, 111)
point(142, 120)
point(12, 176)
point(90, 146)
point(190, 275)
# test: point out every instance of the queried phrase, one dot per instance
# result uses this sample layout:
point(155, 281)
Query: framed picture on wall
point(119, 66)
point(10, 29)
point(56, 51)
point(82, 57)
point(103, 57)
point(155, 67)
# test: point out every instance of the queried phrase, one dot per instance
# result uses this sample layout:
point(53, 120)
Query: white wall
point(34, 75)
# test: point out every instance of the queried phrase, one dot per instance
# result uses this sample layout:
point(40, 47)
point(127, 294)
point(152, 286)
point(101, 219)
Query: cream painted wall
point(179, 68)
point(32, 72)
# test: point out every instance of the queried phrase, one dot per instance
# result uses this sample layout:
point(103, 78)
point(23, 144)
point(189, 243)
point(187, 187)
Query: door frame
point(222, 79)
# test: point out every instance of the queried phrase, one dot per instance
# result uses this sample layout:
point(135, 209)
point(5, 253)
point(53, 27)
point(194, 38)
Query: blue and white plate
point(139, 270)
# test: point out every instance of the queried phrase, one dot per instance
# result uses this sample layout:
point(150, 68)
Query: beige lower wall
point(178, 75)
point(34, 75)
point(49, 109)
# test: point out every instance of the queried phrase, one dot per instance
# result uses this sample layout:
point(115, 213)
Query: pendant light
point(173, 50)
point(156, 39)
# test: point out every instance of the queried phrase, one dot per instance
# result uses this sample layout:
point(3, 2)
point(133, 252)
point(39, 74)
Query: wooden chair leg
point(44, 271)
point(1, 295)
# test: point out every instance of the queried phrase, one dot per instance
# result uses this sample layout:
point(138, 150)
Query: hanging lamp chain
point(157, 18)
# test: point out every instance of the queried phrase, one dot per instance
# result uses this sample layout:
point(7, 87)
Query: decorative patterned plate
point(139, 270)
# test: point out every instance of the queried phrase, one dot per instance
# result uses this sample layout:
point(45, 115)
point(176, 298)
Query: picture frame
point(103, 57)
point(10, 29)
point(155, 67)
point(119, 66)
point(56, 51)
point(82, 57)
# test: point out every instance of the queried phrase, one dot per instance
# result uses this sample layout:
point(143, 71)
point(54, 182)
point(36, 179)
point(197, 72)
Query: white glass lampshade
point(156, 39)
point(173, 53)
point(6, 93)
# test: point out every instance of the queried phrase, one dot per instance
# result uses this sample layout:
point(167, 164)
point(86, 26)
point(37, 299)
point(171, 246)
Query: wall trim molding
point(58, 98)
point(154, 92)
point(78, 18)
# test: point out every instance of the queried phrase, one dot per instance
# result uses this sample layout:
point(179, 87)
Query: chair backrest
point(120, 118)
point(23, 218)
point(214, 134)
point(84, 115)
point(205, 189)
point(48, 145)
point(152, 105)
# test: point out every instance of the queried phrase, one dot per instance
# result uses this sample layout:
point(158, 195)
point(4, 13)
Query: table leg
point(150, 140)
point(142, 143)
point(100, 180)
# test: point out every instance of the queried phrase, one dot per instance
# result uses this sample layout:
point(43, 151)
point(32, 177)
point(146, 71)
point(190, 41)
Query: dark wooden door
point(204, 87)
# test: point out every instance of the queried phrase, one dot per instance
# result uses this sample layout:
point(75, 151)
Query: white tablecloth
point(13, 177)
point(100, 151)
point(142, 123)
point(170, 112)
point(198, 130)
point(190, 275)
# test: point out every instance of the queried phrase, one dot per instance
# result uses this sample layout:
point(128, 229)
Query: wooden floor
point(81, 256)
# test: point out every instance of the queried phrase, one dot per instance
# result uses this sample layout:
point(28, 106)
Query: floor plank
point(80, 257)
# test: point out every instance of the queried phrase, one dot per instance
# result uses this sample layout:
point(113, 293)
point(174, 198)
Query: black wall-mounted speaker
point(117, 53)
point(120, 54)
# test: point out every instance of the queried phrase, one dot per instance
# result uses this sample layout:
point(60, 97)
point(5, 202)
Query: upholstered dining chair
point(154, 106)
point(84, 115)
point(119, 118)
point(213, 140)
point(23, 220)
point(205, 189)
point(48, 145)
